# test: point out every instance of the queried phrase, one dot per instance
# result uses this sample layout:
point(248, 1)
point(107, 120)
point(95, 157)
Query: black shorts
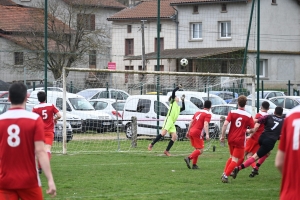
point(266, 145)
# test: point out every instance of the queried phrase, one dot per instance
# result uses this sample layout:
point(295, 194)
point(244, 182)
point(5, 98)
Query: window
point(163, 110)
point(128, 76)
point(161, 68)
point(224, 8)
point(161, 44)
point(225, 29)
point(224, 67)
point(197, 102)
point(290, 103)
point(128, 28)
point(196, 30)
point(274, 2)
point(141, 76)
point(195, 9)
point(129, 47)
point(19, 58)
point(100, 105)
point(86, 21)
point(263, 68)
point(92, 57)
point(143, 106)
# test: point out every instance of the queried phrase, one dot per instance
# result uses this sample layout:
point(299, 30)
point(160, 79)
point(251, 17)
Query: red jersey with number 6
point(290, 144)
point(198, 122)
point(47, 112)
point(240, 120)
point(19, 130)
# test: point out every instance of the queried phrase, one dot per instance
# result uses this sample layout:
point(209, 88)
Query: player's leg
point(49, 136)
point(173, 134)
point(198, 144)
point(31, 193)
point(8, 195)
point(229, 159)
point(158, 137)
point(238, 153)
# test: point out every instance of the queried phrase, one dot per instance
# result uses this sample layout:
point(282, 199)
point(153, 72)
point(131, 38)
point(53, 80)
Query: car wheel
point(128, 131)
point(180, 134)
point(215, 134)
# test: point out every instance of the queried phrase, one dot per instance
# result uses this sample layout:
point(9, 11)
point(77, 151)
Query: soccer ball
point(184, 62)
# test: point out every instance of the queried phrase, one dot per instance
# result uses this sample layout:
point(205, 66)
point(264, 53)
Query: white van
point(144, 108)
point(198, 98)
point(78, 105)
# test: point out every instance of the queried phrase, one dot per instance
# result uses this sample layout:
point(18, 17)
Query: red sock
point(240, 162)
point(253, 165)
point(227, 164)
point(230, 168)
point(49, 155)
point(248, 162)
point(194, 156)
point(261, 161)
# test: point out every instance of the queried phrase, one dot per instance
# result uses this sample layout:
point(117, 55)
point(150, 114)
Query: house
point(212, 35)
point(89, 33)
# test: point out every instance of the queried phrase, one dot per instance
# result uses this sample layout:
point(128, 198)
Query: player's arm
point(173, 92)
point(57, 116)
point(261, 120)
point(45, 164)
point(279, 160)
point(183, 104)
point(224, 130)
point(206, 129)
point(190, 125)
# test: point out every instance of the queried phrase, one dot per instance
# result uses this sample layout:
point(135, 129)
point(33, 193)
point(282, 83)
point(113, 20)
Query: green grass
point(139, 174)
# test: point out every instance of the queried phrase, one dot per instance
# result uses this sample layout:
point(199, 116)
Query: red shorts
point(49, 136)
point(237, 152)
point(197, 142)
point(251, 146)
point(16, 194)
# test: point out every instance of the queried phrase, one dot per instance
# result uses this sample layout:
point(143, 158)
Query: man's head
point(278, 111)
point(17, 93)
point(176, 99)
point(265, 105)
point(41, 96)
point(242, 101)
point(207, 104)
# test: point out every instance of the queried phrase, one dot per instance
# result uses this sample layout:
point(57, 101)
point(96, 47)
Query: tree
point(72, 36)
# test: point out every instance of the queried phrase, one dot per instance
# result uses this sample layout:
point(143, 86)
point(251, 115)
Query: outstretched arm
point(183, 104)
point(173, 92)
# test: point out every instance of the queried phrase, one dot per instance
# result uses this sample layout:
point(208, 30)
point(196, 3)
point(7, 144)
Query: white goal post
point(190, 79)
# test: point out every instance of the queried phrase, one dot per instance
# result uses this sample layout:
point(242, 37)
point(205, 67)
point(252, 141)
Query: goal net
point(130, 125)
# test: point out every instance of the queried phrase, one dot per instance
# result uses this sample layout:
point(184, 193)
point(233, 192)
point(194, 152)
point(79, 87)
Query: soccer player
point(169, 123)
point(199, 121)
point(21, 141)
point(240, 120)
point(288, 154)
point(252, 144)
point(273, 124)
point(50, 114)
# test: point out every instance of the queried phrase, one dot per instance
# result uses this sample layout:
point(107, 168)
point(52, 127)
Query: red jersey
point(260, 129)
point(198, 122)
point(19, 130)
point(239, 120)
point(46, 111)
point(290, 144)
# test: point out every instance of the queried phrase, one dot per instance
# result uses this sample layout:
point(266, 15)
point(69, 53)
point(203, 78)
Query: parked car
point(198, 98)
point(249, 103)
point(100, 93)
point(4, 96)
point(112, 107)
point(225, 95)
point(57, 89)
point(286, 102)
point(58, 128)
point(78, 105)
point(145, 109)
point(267, 94)
point(222, 110)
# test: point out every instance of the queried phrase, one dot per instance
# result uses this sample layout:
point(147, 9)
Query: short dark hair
point(278, 110)
point(41, 96)
point(242, 101)
point(265, 105)
point(17, 93)
point(207, 104)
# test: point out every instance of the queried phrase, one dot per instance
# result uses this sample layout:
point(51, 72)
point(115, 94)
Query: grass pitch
point(141, 174)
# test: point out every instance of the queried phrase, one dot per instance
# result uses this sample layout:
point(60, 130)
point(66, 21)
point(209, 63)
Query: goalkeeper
point(169, 123)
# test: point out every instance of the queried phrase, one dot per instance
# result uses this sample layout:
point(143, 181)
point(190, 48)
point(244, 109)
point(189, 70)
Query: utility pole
point(143, 44)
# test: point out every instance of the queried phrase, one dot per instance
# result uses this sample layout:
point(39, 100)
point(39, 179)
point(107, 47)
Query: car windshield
point(88, 93)
point(215, 100)
point(118, 106)
point(260, 93)
point(81, 104)
point(190, 108)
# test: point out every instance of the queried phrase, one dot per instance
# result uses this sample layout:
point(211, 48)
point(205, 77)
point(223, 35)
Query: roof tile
point(98, 3)
point(177, 2)
point(7, 3)
point(145, 10)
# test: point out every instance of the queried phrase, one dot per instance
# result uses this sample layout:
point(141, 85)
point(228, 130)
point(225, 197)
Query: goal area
point(133, 134)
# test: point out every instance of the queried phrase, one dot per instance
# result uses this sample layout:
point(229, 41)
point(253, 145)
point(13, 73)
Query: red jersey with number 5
point(47, 112)
point(290, 144)
point(240, 120)
point(19, 130)
point(198, 122)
